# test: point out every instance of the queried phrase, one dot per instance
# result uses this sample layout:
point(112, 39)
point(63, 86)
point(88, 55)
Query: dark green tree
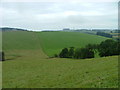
point(108, 48)
point(92, 46)
point(77, 53)
point(104, 34)
point(84, 53)
point(71, 52)
point(64, 53)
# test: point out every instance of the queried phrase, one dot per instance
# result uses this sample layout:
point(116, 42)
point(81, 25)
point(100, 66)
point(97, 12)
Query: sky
point(59, 15)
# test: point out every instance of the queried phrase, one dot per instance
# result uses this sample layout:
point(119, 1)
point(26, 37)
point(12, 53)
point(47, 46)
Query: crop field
point(54, 42)
point(27, 66)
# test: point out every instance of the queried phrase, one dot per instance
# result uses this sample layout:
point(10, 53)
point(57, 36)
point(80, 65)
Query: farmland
point(27, 66)
point(54, 42)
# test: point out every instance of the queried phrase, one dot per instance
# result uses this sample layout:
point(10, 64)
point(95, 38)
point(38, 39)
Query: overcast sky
point(59, 15)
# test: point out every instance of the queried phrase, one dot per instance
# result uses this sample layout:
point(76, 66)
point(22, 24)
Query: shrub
point(55, 55)
point(2, 56)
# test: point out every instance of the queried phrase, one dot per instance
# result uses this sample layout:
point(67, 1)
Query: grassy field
point(28, 67)
point(15, 42)
point(54, 42)
point(35, 72)
point(20, 40)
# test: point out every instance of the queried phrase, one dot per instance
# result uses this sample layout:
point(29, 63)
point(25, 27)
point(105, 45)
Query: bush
point(55, 55)
point(2, 56)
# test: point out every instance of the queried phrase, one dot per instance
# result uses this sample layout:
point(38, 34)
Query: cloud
point(60, 1)
point(57, 15)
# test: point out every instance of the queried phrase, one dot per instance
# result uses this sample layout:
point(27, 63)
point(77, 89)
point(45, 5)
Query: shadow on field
point(49, 58)
point(13, 57)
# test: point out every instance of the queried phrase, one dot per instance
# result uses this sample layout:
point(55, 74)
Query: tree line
point(105, 48)
point(104, 34)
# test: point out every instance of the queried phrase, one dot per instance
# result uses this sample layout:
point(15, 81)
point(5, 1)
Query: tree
point(84, 53)
point(77, 53)
point(64, 53)
point(116, 48)
point(104, 34)
point(71, 52)
point(92, 46)
point(108, 48)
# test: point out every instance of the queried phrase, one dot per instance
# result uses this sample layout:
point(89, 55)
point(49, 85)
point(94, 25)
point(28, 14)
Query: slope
point(53, 42)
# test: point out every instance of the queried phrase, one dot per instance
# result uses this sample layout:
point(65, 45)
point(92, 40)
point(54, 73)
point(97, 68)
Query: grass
point(54, 42)
point(20, 40)
point(26, 66)
point(37, 72)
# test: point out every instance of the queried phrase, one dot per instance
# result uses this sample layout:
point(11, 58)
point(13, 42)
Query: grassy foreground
point(35, 72)
point(28, 67)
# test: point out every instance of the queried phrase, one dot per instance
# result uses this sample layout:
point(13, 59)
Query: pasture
point(27, 66)
point(54, 42)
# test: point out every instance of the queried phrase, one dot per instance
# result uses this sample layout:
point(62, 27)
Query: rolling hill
point(11, 29)
point(26, 65)
point(54, 42)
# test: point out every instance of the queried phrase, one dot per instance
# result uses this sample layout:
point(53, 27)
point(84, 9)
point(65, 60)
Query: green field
point(27, 66)
point(20, 40)
point(54, 42)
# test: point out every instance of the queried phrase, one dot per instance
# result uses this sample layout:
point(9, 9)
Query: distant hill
point(11, 29)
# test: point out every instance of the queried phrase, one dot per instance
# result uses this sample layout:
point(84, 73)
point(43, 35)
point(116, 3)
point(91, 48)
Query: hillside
point(17, 43)
point(20, 40)
point(11, 29)
point(26, 66)
point(54, 42)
